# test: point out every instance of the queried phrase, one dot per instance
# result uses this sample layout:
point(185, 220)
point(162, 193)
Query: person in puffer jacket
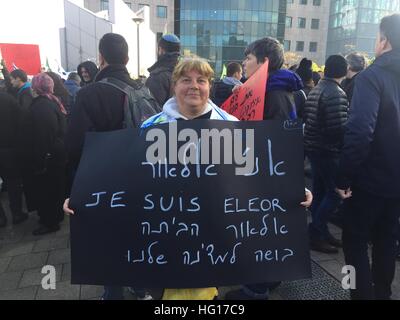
point(325, 115)
point(191, 81)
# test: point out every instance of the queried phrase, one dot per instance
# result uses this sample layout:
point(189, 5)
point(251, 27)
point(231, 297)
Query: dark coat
point(371, 153)
point(10, 113)
point(160, 79)
point(44, 136)
point(25, 98)
point(325, 115)
point(99, 107)
point(348, 87)
point(279, 102)
point(220, 92)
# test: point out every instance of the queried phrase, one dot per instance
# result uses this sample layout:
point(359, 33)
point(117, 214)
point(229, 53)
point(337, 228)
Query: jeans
point(371, 218)
point(326, 200)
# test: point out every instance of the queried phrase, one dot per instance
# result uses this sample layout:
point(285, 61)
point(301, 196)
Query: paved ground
point(22, 257)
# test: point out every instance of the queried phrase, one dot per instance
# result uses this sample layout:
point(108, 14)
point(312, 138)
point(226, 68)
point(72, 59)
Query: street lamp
point(138, 21)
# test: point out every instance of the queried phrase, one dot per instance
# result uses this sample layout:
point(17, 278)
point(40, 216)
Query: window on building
point(304, 2)
point(300, 46)
point(289, 22)
point(316, 2)
point(162, 12)
point(315, 24)
point(104, 5)
point(313, 46)
point(287, 45)
point(302, 23)
point(290, 1)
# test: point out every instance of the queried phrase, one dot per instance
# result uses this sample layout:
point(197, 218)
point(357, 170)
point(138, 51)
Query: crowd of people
point(351, 138)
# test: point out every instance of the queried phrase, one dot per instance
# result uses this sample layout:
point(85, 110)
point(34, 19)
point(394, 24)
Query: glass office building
point(354, 24)
point(220, 30)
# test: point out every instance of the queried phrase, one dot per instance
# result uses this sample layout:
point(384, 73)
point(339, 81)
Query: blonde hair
point(187, 64)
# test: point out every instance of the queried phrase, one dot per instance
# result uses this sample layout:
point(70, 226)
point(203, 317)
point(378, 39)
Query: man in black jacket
point(222, 89)
point(100, 107)
point(19, 81)
point(325, 115)
point(159, 81)
point(10, 113)
point(369, 174)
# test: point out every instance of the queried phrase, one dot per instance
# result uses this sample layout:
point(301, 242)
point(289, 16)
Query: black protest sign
point(184, 225)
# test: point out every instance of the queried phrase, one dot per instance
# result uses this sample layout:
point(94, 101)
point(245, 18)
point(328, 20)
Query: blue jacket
point(370, 157)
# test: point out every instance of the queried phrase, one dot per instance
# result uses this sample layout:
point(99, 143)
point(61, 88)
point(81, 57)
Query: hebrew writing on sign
point(247, 103)
point(191, 204)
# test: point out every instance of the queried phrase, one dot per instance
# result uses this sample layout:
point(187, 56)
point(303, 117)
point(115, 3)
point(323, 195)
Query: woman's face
point(192, 92)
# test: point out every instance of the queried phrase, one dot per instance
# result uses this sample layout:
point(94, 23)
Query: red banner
point(247, 103)
point(21, 56)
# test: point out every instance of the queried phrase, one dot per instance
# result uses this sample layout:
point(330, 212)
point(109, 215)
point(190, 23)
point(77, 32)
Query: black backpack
point(139, 104)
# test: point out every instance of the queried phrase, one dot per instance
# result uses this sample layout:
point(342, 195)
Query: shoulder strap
point(128, 107)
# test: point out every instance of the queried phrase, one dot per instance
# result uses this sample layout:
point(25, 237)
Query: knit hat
point(170, 43)
point(305, 70)
point(335, 67)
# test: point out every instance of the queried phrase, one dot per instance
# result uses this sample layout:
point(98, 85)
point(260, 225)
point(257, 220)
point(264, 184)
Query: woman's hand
point(309, 199)
point(66, 208)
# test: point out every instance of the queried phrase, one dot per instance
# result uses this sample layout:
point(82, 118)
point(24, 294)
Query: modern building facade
point(307, 28)
point(220, 30)
point(161, 12)
point(354, 24)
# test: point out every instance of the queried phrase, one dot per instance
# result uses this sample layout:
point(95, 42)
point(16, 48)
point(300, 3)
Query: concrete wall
point(82, 35)
point(294, 34)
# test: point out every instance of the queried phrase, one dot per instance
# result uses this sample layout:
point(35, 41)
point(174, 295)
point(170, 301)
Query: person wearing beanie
point(306, 74)
point(325, 115)
point(159, 81)
point(357, 63)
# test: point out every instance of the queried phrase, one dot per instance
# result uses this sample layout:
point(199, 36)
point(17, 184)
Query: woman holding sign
point(191, 83)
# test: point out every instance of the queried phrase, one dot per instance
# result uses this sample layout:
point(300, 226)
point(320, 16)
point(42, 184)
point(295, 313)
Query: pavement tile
point(10, 280)
point(60, 256)
point(20, 294)
point(66, 272)
point(51, 244)
point(28, 261)
point(334, 268)
point(4, 262)
point(16, 249)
